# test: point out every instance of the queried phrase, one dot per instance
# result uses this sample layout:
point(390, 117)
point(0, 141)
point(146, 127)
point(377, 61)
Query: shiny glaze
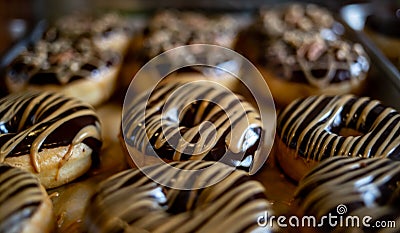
point(219, 123)
point(32, 121)
point(366, 186)
point(303, 43)
point(311, 126)
point(58, 60)
point(130, 201)
point(20, 198)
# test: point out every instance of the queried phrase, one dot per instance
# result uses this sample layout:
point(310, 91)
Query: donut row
point(194, 126)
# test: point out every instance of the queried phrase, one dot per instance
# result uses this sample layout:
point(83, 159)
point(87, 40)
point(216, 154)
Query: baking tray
point(384, 83)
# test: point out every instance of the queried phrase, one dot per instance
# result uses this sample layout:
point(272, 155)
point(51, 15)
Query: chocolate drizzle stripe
point(161, 124)
point(232, 205)
point(43, 114)
point(310, 125)
point(18, 206)
point(362, 184)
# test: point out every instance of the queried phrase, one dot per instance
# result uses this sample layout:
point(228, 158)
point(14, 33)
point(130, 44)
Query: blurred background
point(19, 17)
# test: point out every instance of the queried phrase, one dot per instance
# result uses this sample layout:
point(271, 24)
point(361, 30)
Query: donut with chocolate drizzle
point(312, 129)
point(198, 120)
point(302, 52)
point(25, 205)
point(131, 202)
point(48, 134)
point(363, 186)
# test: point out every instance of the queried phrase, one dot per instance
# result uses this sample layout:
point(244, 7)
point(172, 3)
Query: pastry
point(131, 202)
point(25, 205)
point(198, 120)
point(300, 51)
point(360, 193)
point(55, 137)
point(312, 129)
point(72, 65)
point(169, 29)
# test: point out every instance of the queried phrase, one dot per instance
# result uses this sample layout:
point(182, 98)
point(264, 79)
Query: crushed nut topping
point(169, 29)
point(305, 38)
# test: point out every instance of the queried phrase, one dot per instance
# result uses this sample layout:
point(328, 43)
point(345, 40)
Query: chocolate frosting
point(312, 125)
point(58, 60)
point(32, 121)
point(366, 186)
point(303, 43)
point(168, 29)
point(130, 201)
point(185, 130)
point(20, 198)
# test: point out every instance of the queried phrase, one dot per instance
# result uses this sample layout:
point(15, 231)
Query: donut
point(199, 120)
point(70, 65)
point(131, 202)
point(169, 29)
point(312, 129)
point(48, 134)
point(301, 52)
point(351, 187)
point(108, 31)
point(25, 205)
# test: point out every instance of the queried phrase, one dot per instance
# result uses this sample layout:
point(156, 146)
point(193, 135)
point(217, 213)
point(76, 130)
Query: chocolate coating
point(312, 125)
point(32, 121)
point(169, 29)
point(21, 197)
point(304, 44)
point(130, 201)
point(366, 186)
point(194, 121)
point(58, 61)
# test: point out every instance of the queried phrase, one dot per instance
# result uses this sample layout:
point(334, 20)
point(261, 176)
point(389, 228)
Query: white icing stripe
point(43, 113)
point(362, 184)
point(311, 125)
point(161, 124)
point(130, 200)
point(20, 198)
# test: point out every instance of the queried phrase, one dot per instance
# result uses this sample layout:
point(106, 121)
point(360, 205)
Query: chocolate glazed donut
point(312, 129)
point(25, 205)
point(48, 134)
point(363, 186)
point(131, 202)
point(193, 121)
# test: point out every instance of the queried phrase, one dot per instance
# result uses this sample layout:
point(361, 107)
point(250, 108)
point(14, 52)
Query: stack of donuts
point(186, 154)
